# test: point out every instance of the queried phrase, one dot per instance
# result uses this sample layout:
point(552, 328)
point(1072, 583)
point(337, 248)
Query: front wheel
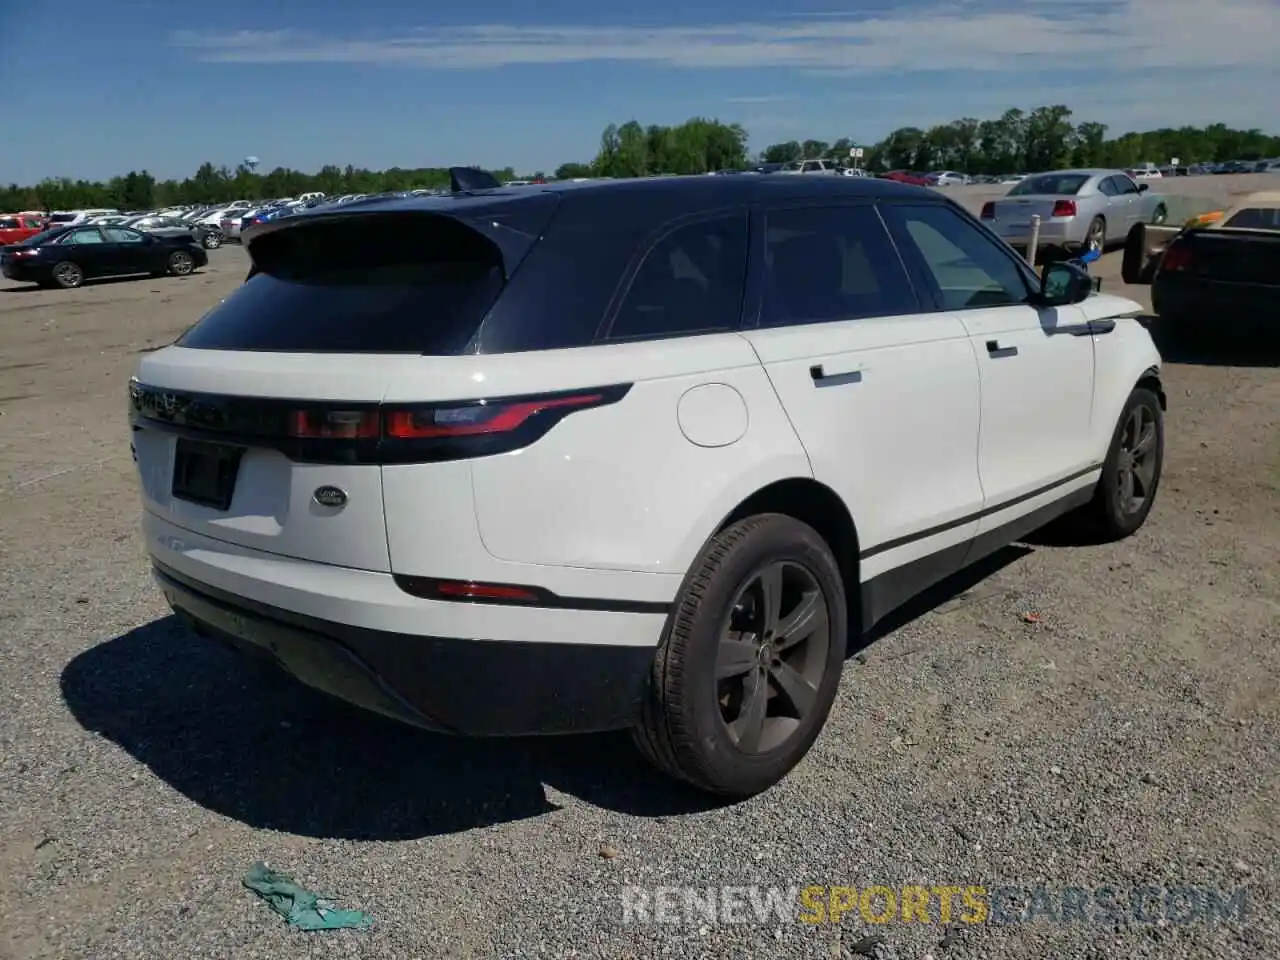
point(745, 677)
point(1131, 473)
point(181, 263)
point(212, 240)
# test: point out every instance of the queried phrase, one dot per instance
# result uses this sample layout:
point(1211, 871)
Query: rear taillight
point(1176, 258)
point(310, 432)
point(477, 418)
point(1063, 208)
point(988, 211)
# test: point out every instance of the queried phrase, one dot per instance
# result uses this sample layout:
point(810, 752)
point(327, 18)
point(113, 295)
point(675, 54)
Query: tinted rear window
point(1051, 184)
point(1255, 218)
point(394, 284)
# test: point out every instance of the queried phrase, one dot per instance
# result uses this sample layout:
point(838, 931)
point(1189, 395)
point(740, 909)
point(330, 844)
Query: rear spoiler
point(471, 179)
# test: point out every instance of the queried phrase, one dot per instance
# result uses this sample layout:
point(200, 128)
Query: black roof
point(692, 192)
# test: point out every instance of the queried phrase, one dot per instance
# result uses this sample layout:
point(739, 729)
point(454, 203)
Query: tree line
point(1045, 138)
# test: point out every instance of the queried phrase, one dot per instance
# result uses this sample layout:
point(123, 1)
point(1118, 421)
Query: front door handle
point(1098, 327)
point(821, 378)
point(996, 351)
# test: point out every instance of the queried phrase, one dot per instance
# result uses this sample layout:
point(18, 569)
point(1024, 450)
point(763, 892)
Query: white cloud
point(1112, 35)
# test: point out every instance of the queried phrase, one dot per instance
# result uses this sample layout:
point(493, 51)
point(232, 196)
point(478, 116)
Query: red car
point(14, 228)
point(906, 176)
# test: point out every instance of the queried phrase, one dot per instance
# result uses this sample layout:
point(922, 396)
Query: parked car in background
point(948, 178)
point(906, 176)
point(15, 228)
point(1078, 209)
point(68, 256)
point(69, 218)
point(208, 237)
point(856, 373)
point(1222, 271)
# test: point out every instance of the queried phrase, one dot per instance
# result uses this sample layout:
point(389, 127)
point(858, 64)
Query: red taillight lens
point(430, 588)
point(476, 419)
point(1064, 208)
point(988, 211)
point(334, 424)
point(1176, 258)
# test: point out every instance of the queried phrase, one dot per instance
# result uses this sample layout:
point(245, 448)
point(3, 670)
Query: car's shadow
point(264, 750)
point(1217, 344)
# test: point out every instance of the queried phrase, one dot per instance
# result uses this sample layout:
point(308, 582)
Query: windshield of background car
point(1255, 218)
point(1051, 184)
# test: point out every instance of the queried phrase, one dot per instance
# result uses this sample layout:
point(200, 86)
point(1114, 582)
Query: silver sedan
point(1078, 209)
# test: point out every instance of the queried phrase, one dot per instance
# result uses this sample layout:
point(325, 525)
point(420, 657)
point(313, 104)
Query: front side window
point(965, 269)
point(831, 263)
point(690, 282)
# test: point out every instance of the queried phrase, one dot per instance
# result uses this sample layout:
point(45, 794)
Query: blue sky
point(92, 89)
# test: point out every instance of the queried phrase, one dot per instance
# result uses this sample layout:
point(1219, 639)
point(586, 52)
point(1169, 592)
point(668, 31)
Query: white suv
point(634, 454)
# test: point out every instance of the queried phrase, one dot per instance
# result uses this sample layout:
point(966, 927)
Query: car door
point(88, 249)
point(884, 396)
point(1126, 203)
point(133, 252)
point(1036, 362)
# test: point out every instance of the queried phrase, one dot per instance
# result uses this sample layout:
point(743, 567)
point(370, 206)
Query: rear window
point(414, 283)
point(9, 223)
point(63, 217)
point(1051, 184)
point(1255, 218)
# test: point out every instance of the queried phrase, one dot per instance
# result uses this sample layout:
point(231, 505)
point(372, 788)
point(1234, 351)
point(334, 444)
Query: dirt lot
point(1067, 716)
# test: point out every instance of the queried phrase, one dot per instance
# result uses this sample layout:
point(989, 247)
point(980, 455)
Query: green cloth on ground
point(300, 907)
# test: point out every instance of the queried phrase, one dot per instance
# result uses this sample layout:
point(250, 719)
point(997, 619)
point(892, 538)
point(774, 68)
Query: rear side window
point(415, 283)
point(831, 263)
point(690, 282)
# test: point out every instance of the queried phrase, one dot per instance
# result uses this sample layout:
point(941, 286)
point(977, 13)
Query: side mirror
point(1144, 187)
point(1064, 283)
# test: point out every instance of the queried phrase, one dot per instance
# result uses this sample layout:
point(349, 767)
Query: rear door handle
point(996, 351)
point(821, 378)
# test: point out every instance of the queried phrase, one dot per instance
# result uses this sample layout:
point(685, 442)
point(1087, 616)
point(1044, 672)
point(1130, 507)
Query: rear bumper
point(1215, 302)
point(449, 685)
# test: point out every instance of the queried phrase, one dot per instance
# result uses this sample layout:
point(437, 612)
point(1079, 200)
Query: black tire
point(1112, 513)
point(180, 263)
point(683, 728)
point(1160, 215)
point(67, 275)
point(1096, 238)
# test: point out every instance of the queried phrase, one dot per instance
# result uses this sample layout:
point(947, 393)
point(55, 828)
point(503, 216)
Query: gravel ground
point(1090, 717)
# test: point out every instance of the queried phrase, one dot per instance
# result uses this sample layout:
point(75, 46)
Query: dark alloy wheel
point(1131, 473)
point(746, 673)
point(181, 263)
point(68, 275)
point(772, 656)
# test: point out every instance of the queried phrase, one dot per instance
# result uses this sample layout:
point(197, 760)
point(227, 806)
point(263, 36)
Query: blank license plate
point(205, 473)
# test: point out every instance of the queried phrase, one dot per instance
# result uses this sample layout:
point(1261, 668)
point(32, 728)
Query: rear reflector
point(1063, 208)
point(430, 588)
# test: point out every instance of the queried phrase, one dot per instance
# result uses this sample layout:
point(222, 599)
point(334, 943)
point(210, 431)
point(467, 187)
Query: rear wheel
point(181, 263)
point(1096, 238)
point(745, 677)
point(1160, 215)
point(67, 275)
point(1131, 473)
